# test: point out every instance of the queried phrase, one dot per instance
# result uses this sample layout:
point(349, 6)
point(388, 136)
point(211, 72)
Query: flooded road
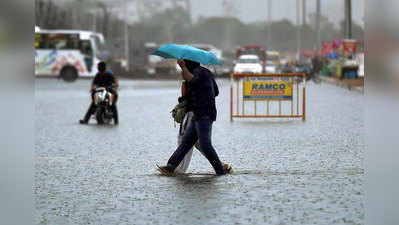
point(287, 171)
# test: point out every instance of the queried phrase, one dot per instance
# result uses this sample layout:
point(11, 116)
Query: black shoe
point(83, 121)
point(115, 114)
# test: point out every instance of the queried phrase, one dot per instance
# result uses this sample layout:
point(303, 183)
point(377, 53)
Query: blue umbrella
point(175, 51)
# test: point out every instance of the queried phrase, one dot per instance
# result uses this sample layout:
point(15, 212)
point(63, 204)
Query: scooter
point(103, 101)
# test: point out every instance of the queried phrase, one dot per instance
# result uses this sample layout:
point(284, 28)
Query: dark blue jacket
point(203, 90)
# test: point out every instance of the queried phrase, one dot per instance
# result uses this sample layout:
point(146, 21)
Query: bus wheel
point(69, 73)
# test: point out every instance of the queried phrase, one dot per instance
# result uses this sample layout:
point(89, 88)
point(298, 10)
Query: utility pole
point(229, 9)
point(304, 12)
point(74, 17)
point(348, 19)
point(303, 37)
point(94, 20)
point(298, 27)
point(188, 9)
point(269, 24)
point(318, 35)
point(126, 31)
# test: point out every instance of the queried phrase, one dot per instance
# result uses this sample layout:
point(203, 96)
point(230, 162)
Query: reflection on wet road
point(287, 171)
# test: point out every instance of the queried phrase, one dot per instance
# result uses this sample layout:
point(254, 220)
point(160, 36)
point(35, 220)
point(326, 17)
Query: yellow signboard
point(267, 90)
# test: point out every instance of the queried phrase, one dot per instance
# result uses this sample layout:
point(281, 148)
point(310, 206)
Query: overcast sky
point(256, 10)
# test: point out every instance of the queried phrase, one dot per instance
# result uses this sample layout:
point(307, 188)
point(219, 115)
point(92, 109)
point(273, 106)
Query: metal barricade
point(272, 95)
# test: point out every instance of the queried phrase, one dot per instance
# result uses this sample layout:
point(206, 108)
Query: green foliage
point(175, 25)
point(230, 32)
point(357, 31)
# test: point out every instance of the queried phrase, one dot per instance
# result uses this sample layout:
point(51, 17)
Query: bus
point(68, 54)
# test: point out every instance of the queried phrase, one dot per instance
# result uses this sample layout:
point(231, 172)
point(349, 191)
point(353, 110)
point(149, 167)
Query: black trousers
point(198, 130)
point(92, 108)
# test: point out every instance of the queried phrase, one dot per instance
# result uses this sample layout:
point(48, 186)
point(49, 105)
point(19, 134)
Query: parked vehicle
point(283, 62)
point(274, 57)
point(253, 50)
point(305, 68)
point(248, 64)
point(225, 69)
point(270, 67)
point(287, 68)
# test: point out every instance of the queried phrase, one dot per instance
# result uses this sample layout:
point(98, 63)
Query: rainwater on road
point(287, 171)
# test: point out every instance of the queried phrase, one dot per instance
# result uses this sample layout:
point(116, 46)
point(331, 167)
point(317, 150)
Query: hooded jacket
point(202, 92)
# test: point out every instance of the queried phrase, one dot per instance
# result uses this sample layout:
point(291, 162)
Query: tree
point(170, 23)
point(357, 30)
point(105, 21)
point(324, 22)
point(219, 31)
point(328, 30)
point(283, 35)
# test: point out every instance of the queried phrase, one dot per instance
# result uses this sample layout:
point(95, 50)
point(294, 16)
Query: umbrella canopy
point(175, 51)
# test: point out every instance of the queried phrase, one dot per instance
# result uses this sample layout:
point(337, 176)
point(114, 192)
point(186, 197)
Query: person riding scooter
point(103, 79)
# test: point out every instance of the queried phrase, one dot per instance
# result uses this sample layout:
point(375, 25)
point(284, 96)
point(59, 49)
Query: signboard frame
point(298, 79)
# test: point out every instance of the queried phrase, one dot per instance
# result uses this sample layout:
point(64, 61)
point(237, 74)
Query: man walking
point(201, 102)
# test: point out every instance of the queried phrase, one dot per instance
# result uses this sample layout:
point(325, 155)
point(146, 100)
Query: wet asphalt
point(287, 171)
